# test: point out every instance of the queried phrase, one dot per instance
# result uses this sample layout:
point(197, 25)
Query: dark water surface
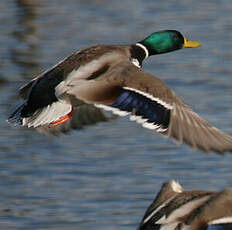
point(104, 176)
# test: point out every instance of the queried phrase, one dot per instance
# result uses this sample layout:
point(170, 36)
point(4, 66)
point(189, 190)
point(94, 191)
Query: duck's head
point(166, 41)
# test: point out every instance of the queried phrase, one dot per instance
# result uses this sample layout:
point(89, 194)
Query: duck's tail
point(52, 115)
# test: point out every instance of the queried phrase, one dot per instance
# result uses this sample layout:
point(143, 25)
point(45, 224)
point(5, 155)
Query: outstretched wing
point(132, 91)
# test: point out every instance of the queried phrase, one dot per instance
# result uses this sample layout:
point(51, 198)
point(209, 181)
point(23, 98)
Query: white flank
point(222, 220)
point(144, 48)
point(159, 208)
point(112, 109)
point(47, 115)
point(149, 96)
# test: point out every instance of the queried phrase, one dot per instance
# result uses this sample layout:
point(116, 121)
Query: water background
point(105, 176)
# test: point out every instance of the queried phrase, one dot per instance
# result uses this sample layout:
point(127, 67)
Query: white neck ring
point(144, 48)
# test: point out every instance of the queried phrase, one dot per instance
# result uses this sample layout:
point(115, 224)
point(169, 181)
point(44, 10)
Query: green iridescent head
point(167, 41)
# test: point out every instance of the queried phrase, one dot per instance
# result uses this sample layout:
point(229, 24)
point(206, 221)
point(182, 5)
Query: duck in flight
point(174, 208)
point(110, 77)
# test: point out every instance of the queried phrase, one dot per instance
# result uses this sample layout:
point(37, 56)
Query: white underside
point(47, 115)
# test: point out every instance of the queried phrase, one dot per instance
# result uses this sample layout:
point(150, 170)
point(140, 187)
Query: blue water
point(105, 176)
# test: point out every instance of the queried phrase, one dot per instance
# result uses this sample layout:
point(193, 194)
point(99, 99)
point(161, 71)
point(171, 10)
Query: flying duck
point(110, 77)
point(174, 208)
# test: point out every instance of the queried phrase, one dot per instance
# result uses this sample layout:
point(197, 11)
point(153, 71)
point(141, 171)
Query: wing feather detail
point(184, 125)
point(143, 108)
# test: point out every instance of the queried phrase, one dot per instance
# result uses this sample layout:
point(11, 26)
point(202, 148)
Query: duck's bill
point(190, 44)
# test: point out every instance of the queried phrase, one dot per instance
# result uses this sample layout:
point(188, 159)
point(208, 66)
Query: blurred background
point(105, 176)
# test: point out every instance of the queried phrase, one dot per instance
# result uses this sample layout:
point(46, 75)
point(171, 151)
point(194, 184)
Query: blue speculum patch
point(226, 226)
point(143, 107)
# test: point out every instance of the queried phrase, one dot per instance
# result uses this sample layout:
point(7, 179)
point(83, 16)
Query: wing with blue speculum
point(225, 226)
point(143, 109)
point(150, 102)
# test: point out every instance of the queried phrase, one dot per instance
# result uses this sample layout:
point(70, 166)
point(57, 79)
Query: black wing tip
point(15, 117)
point(15, 122)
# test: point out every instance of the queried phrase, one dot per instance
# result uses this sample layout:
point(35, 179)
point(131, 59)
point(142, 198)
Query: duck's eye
point(175, 36)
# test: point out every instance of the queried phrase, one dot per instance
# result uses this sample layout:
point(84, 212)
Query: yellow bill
point(190, 44)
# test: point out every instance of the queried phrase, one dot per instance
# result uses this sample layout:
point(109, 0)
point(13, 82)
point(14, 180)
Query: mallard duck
point(110, 77)
point(174, 208)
